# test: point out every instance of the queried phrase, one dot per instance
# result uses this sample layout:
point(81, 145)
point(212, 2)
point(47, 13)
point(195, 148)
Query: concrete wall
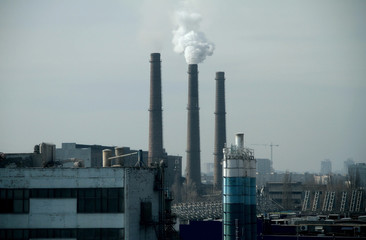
point(57, 213)
point(69, 150)
point(139, 183)
point(61, 177)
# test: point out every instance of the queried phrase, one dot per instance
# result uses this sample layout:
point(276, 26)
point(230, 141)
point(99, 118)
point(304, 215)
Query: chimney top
point(192, 68)
point(220, 75)
point(155, 57)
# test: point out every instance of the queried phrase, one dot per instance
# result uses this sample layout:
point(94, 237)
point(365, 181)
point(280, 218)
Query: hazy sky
point(78, 71)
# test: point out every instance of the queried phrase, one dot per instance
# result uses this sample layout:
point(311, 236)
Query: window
point(101, 233)
point(100, 200)
point(79, 233)
point(14, 200)
point(89, 200)
point(53, 193)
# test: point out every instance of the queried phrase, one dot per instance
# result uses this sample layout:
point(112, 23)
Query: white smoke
point(189, 40)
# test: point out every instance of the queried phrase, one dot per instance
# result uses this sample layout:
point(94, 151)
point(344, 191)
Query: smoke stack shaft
point(155, 111)
point(193, 129)
point(220, 128)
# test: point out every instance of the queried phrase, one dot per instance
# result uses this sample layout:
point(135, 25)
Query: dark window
point(26, 234)
point(6, 206)
point(80, 234)
point(18, 194)
point(42, 193)
point(101, 233)
point(96, 200)
point(26, 206)
point(53, 193)
point(65, 193)
point(2, 234)
point(26, 193)
point(17, 234)
point(9, 194)
point(89, 200)
point(98, 204)
point(57, 233)
point(14, 201)
point(2, 193)
point(17, 206)
point(81, 204)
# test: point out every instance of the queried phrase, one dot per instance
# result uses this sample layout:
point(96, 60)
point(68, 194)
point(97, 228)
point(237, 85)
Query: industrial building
point(83, 155)
point(239, 192)
point(79, 203)
point(286, 194)
point(91, 156)
point(43, 154)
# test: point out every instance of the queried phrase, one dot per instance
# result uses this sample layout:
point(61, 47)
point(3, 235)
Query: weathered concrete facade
point(78, 199)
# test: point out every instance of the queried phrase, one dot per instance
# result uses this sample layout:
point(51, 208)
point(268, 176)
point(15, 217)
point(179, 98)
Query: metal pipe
point(121, 156)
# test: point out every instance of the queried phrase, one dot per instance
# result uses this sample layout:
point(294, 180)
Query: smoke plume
point(189, 40)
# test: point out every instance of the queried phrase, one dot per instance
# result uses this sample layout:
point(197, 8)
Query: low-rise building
point(79, 203)
point(287, 194)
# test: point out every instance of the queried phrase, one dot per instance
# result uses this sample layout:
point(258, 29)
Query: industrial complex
point(84, 191)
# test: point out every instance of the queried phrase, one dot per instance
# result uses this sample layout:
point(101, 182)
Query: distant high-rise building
point(326, 167)
point(209, 167)
point(346, 164)
point(264, 166)
point(357, 175)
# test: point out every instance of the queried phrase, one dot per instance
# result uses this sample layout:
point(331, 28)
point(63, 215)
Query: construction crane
point(271, 145)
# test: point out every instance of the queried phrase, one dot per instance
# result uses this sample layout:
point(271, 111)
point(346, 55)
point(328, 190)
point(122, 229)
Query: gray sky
point(78, 71)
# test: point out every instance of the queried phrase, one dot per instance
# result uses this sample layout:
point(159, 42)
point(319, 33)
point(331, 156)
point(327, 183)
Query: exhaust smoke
point(188, 40)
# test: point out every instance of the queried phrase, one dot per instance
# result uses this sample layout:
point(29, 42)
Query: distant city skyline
point(295, 74)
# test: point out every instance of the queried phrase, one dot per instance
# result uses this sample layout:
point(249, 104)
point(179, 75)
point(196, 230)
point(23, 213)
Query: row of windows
point(38, 193)
point(80, 233)
point(100, 200)
point(89, 200)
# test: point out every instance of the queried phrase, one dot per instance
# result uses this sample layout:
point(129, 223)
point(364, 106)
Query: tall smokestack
point(155, 116)
point(193, 130)
point(220, 128)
